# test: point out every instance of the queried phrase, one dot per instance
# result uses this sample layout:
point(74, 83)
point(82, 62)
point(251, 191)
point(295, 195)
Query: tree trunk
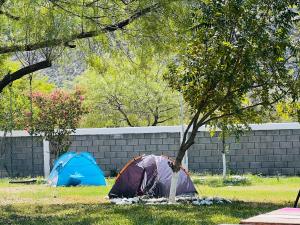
point(173, 187)
point(176, 168)
point(224, 165)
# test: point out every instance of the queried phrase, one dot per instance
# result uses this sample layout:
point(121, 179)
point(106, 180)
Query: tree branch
point(10, 77)
point(10, 16)
point(78, 36)
point(242, 109)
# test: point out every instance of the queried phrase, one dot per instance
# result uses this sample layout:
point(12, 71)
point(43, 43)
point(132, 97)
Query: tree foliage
point(240, 61)
point(56, 117)
point(121, 92)
point(46, 28)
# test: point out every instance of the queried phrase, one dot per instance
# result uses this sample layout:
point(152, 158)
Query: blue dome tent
point(72, 169)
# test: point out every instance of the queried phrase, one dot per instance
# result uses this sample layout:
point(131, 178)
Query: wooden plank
point(283, 216)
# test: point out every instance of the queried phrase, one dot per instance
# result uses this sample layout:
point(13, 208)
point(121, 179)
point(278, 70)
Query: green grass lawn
point(39, 204)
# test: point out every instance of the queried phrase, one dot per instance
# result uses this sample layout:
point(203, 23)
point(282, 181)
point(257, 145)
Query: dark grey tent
point(150, 175)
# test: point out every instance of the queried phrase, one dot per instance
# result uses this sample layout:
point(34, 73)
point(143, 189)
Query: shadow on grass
point(133, 214)
point(219, 182)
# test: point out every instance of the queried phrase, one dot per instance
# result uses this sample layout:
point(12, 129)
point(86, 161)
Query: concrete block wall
point(16, 157)
point(268, 149)
point(112, 152)
point(268, 152)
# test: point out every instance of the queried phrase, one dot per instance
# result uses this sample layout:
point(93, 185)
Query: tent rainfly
point(72, 169)
point(150, 175)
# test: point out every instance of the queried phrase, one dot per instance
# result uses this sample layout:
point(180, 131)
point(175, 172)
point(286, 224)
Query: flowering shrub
point(55, 117)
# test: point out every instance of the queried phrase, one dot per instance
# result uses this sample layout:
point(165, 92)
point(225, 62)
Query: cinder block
point(200, 134)
point(238, 158)
point(243, 165)
point(279, 151)
point(174, 135)
point(285, 144)
point(248, 158)
point(251, 170)
point(204, 140)
point(80, 137)
point(117, 136)
point(255, 165)
point(144, 141)
point(288, 158)
point(140, 148)
point(93, 148)
point(205, 153)
point(261, 158)
point(116, 161)
point(267, 151)
point(131, 155)
point(211, 146)
point(260, 133)
point(109, 154)
point(274, 171)
point(254, 151)
point(156, 141)
point(193, 153)
point(98, 142)
point(98, 155)
point(138, 136)
point(274, 158)
point(292, 138)
point(297, 171)
point(169, 153)
point(280, 164)
point(235, 146)
point(120, 142)
point(260, 145)
point(205, 165)
point(110, 142)
point(194, 166)
point(292, 151)
point(80, 149)
point(266, 138)
point(268, 165)
point(115, 148)
point(124, 148)
point(242, 151)
point(288, 171)
point(86, 143)
point(132, 142)
point(280, 138)
point(272, 132)
point(285, 132)
point(294, 164)
point(162, 147)
point(296, 131)
point(151, 148)
point(168, 141)
point(296, 144)
point(161, 135)
point(173, 147)
point(104, 148)
point(199, 146)
point(244, 139)
point(212, 159)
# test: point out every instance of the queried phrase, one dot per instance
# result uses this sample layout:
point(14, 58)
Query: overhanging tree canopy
point(35, 25)
point(242, 58)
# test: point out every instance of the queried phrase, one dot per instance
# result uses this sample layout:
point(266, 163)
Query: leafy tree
point(46, 28)
point(16, 99)
point(287, 112)
point(56, 117)
point(238, 63)
point(120, 92)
